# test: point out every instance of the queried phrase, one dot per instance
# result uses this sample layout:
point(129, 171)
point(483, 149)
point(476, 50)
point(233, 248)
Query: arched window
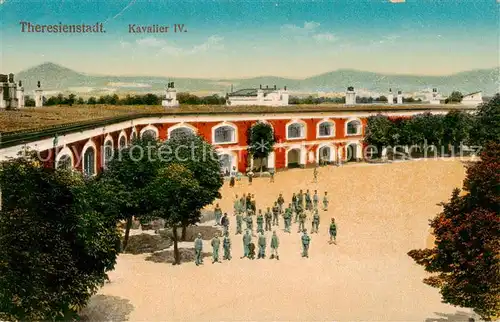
point(64, 162)
point(89, 161)
point(326, 129)
point(224, 134)
point(108, 152)
point(122, 142)
point(353, 127)
point(295, 131)
point(134, 136)
point(181, 131)
point(149, 133)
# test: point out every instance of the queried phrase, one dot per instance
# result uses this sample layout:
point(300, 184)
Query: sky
point(237, 39)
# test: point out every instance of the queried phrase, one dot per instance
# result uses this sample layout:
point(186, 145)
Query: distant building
point(170, 99)
point(258, 96)
point(475, 98)
point(390, 97)
point(435, 98)
point(350, 96)
point(399, 98)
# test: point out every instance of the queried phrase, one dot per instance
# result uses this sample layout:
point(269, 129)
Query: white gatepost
point(303, 156)
point(271, 161)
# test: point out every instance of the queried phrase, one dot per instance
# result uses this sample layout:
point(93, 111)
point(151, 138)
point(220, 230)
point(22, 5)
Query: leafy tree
point(55, 247)
point(467, 241)
point(260, 141)
point(199, 157)
point(28, 101)
point(486, 126)
point(80, 101)
point(128, 174)
point(457, 126)
point(378, 131)
point(455, 97)
point(92, 100)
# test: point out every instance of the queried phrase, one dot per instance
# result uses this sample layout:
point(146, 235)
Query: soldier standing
point(302, 221)
point(260, 222)
point(271, 180)
point(226, 244)
point(225, 223)
point(250, 177)
point(218, 214)
point(287, 216)
point(308, 200)
point(306, 240)
point(315, 199)
point(253, 204)
point(268, 218)
point(215, 248)
point(298, 211)
point(247, 239)
point(198, 248)
point(333, 232)
point(276, 211)
point(248, 203)
point(249, 221)
point(300, 198)
point(239, 222)
point(315, 175)
point(236, 204)
point(325, 202)
point(294, 201)
point(244, 202)
point(315, 222)
point(262, 245)
point(274, 246)
point(281, 201)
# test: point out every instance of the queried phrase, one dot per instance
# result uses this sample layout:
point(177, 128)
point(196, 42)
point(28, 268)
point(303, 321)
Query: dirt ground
point(382, 212)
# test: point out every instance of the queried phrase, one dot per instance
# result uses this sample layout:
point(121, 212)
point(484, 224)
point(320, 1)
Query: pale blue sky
point(254, 38)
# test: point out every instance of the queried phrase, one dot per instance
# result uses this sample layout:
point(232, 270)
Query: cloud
point(325, 37)
point(309, 27)
point(2, 2)
point(164, 47)
point(125, 44)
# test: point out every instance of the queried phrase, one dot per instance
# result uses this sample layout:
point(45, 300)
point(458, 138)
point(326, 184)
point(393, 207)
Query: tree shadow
point(458, 316)
point(106, 308)
point(186, 255)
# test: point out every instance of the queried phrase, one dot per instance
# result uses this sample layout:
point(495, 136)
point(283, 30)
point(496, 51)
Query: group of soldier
point(245, 209)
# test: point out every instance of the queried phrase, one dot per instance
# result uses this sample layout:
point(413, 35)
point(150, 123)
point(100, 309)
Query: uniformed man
point(325, 202)
point(247, 239)
point(300, 198)
point(333, 232)
point(281, 201)
point(315, 199)
point(198, 248)
point(236, 204)
point(274, 246)
point(302, 221)
point(218, 214)
point(287, 216)
point(239, 222)
point(244, 203)
point(294, 201)
point(249, 221)
point(298, 211)
point(248, 202)
point(308, 200)
point(315, 222)
point(268, 218)
point(260, 222)
point(315, 174)
point(276, 211)
point(271, 179)
point(262, 245)
point(225, 223)
point(306, 240)
point(253, 204)
point(215, 248)
point(226, 244)
point(251, 250)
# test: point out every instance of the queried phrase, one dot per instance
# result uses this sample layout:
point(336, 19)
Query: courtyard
point(382, 212)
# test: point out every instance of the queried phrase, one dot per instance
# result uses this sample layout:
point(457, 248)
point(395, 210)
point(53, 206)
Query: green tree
point(260, 141)
point(378, 131)
point(55, 247)
point(129, 174)
point(486, 126)
point(466, 254)
point(455, 97)
point(92, 100)
point(457, 126)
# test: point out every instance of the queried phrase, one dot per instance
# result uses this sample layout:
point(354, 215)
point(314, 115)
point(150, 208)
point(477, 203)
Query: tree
point(378, 131)
point(260, 141)
point(28, 101)
point(55, 247)
point(457, 126)
point(199, 157)
point(92, 100)
point(486, 127)
point(455, 97)
point(80, 101)
point(128, 174)
point(467, 241)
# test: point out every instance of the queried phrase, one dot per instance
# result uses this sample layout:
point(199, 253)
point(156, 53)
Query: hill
point(58, 78)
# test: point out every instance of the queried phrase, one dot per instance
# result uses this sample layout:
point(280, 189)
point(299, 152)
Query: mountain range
point(55, 78)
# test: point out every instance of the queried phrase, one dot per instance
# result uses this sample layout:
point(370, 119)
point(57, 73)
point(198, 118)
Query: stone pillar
point(303, 156)
point(38, 96)
point(271, 161)
point(400, 97)
point(435, 99)
point(20, 95)
point(170, 96)
point(350, 96)
point(390, 97)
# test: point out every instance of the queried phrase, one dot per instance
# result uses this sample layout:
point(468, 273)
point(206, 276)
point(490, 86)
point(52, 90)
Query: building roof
point(251, 92)
point(473, 93)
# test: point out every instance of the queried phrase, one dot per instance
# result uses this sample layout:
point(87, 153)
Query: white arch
point(149, 127)
point(302, 154)
point(333, 152)
point(359, 149)
point(181, 125)
point(304, 129)
point(109, 138)
point(232, 154)
point(89, 144)
point(349, 121)
point(235, 132)
point(325, 121)
point(134, 130)
point(63, 152)
point(122, 135)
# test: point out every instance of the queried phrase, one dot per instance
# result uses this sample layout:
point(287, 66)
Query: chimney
point(284, 88)
point(274, 87)
point(38, 84)
point(267, 86)
point(260, 86)
point(20, 84)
